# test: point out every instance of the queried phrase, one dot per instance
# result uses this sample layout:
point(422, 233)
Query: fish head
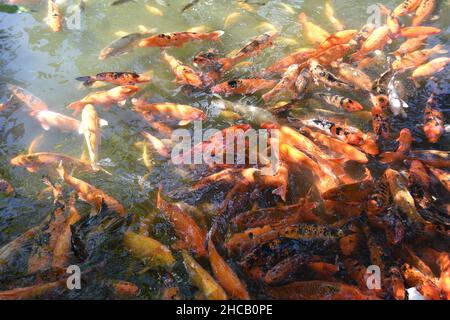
point(22, 160)
point(129, 90)
point(353, 106)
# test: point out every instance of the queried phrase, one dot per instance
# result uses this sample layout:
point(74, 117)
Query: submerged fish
point(433, 125)
point(54, 16)
point(49, 119)
point(123, 45)
point(404, 145)
point(118, 78)
point(31, 101)
point(184, 74)
point(423, 12)
point(396, 104)
point(243, 86)
point(90, 128)
point(341, 102)
point(178, 39)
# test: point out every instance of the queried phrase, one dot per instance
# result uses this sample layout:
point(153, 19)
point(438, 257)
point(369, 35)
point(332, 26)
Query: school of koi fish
point(341, 199)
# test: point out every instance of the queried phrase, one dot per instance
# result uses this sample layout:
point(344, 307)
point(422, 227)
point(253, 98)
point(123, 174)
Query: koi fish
point(178, 39)
point(331, 55)
point(243, 86)
point(354, 192)
point(32, 292)
point(49, 119)
point(202, 279)
point(412, 32)
point(404, 145)
point(423, 12)
point(117, 95)
point(26, 97)
point(341, 102)
point(442, 176)
point(406, 7)
point(286, 84)
point(251, 49)
point(318, 290)
point(339, 38)
point(298, 57)
point(89, 194)
point(417, 58)
point(376, 41)
point(301, 84)
point(190, 234)
point(410, 45)
point(90, 128)
point(355, 76)
point(401, 196)
point(118, 78)
point(208, 59)
point(380, 122)
point(125, 289)
point(282, 216)
point(434, 158)
point(226, 277)
point(123, 45)
point(415, 278)
point(62, 245)
point(184, 74)
point(295, 157)
point(45, 160)
point(338, 146)
point(433, 125)
point(169, 112)
point(313, 32)
point(150, 250)
point(320, 74)
point(54, 16)
point(157, 144)
point(330, 14)
point(430, 68)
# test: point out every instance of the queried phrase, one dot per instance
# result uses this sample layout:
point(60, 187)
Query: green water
point(47, 64)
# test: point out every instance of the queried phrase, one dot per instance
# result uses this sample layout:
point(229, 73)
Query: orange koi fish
point(45, 160)
point(412, 32)
point(54, 16)
point(376, 41)
point(330, 14)
point(118, 78)
point(178, 39)
point(286, 84)
point(357, 77)
point(117, 95)
point(49, 119)
point(251, 49)
point(243, 86)
point(170, 112)
point(298, 57)
point(380, 122)
point(423, 12)
point(313, 32)
point(26, 97)
point(417, 58)
point(191, 236)
point(89, 194)
point(32, 292)
point(404, 145)
point(226, 277)
point(435, 158)
point(406, 7)
point(341, 102)
point(430, 68)
point(410, 45)
point(338, 146)
point(318, 290)
point(433, 125)
point(184, 74)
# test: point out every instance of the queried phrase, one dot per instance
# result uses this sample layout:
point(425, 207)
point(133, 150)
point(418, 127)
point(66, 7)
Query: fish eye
point(233, 83)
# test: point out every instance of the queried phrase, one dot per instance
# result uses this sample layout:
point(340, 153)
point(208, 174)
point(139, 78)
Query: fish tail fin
point(77, 106)
point(389, 157)
point(87, 80)
point(215, 35)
